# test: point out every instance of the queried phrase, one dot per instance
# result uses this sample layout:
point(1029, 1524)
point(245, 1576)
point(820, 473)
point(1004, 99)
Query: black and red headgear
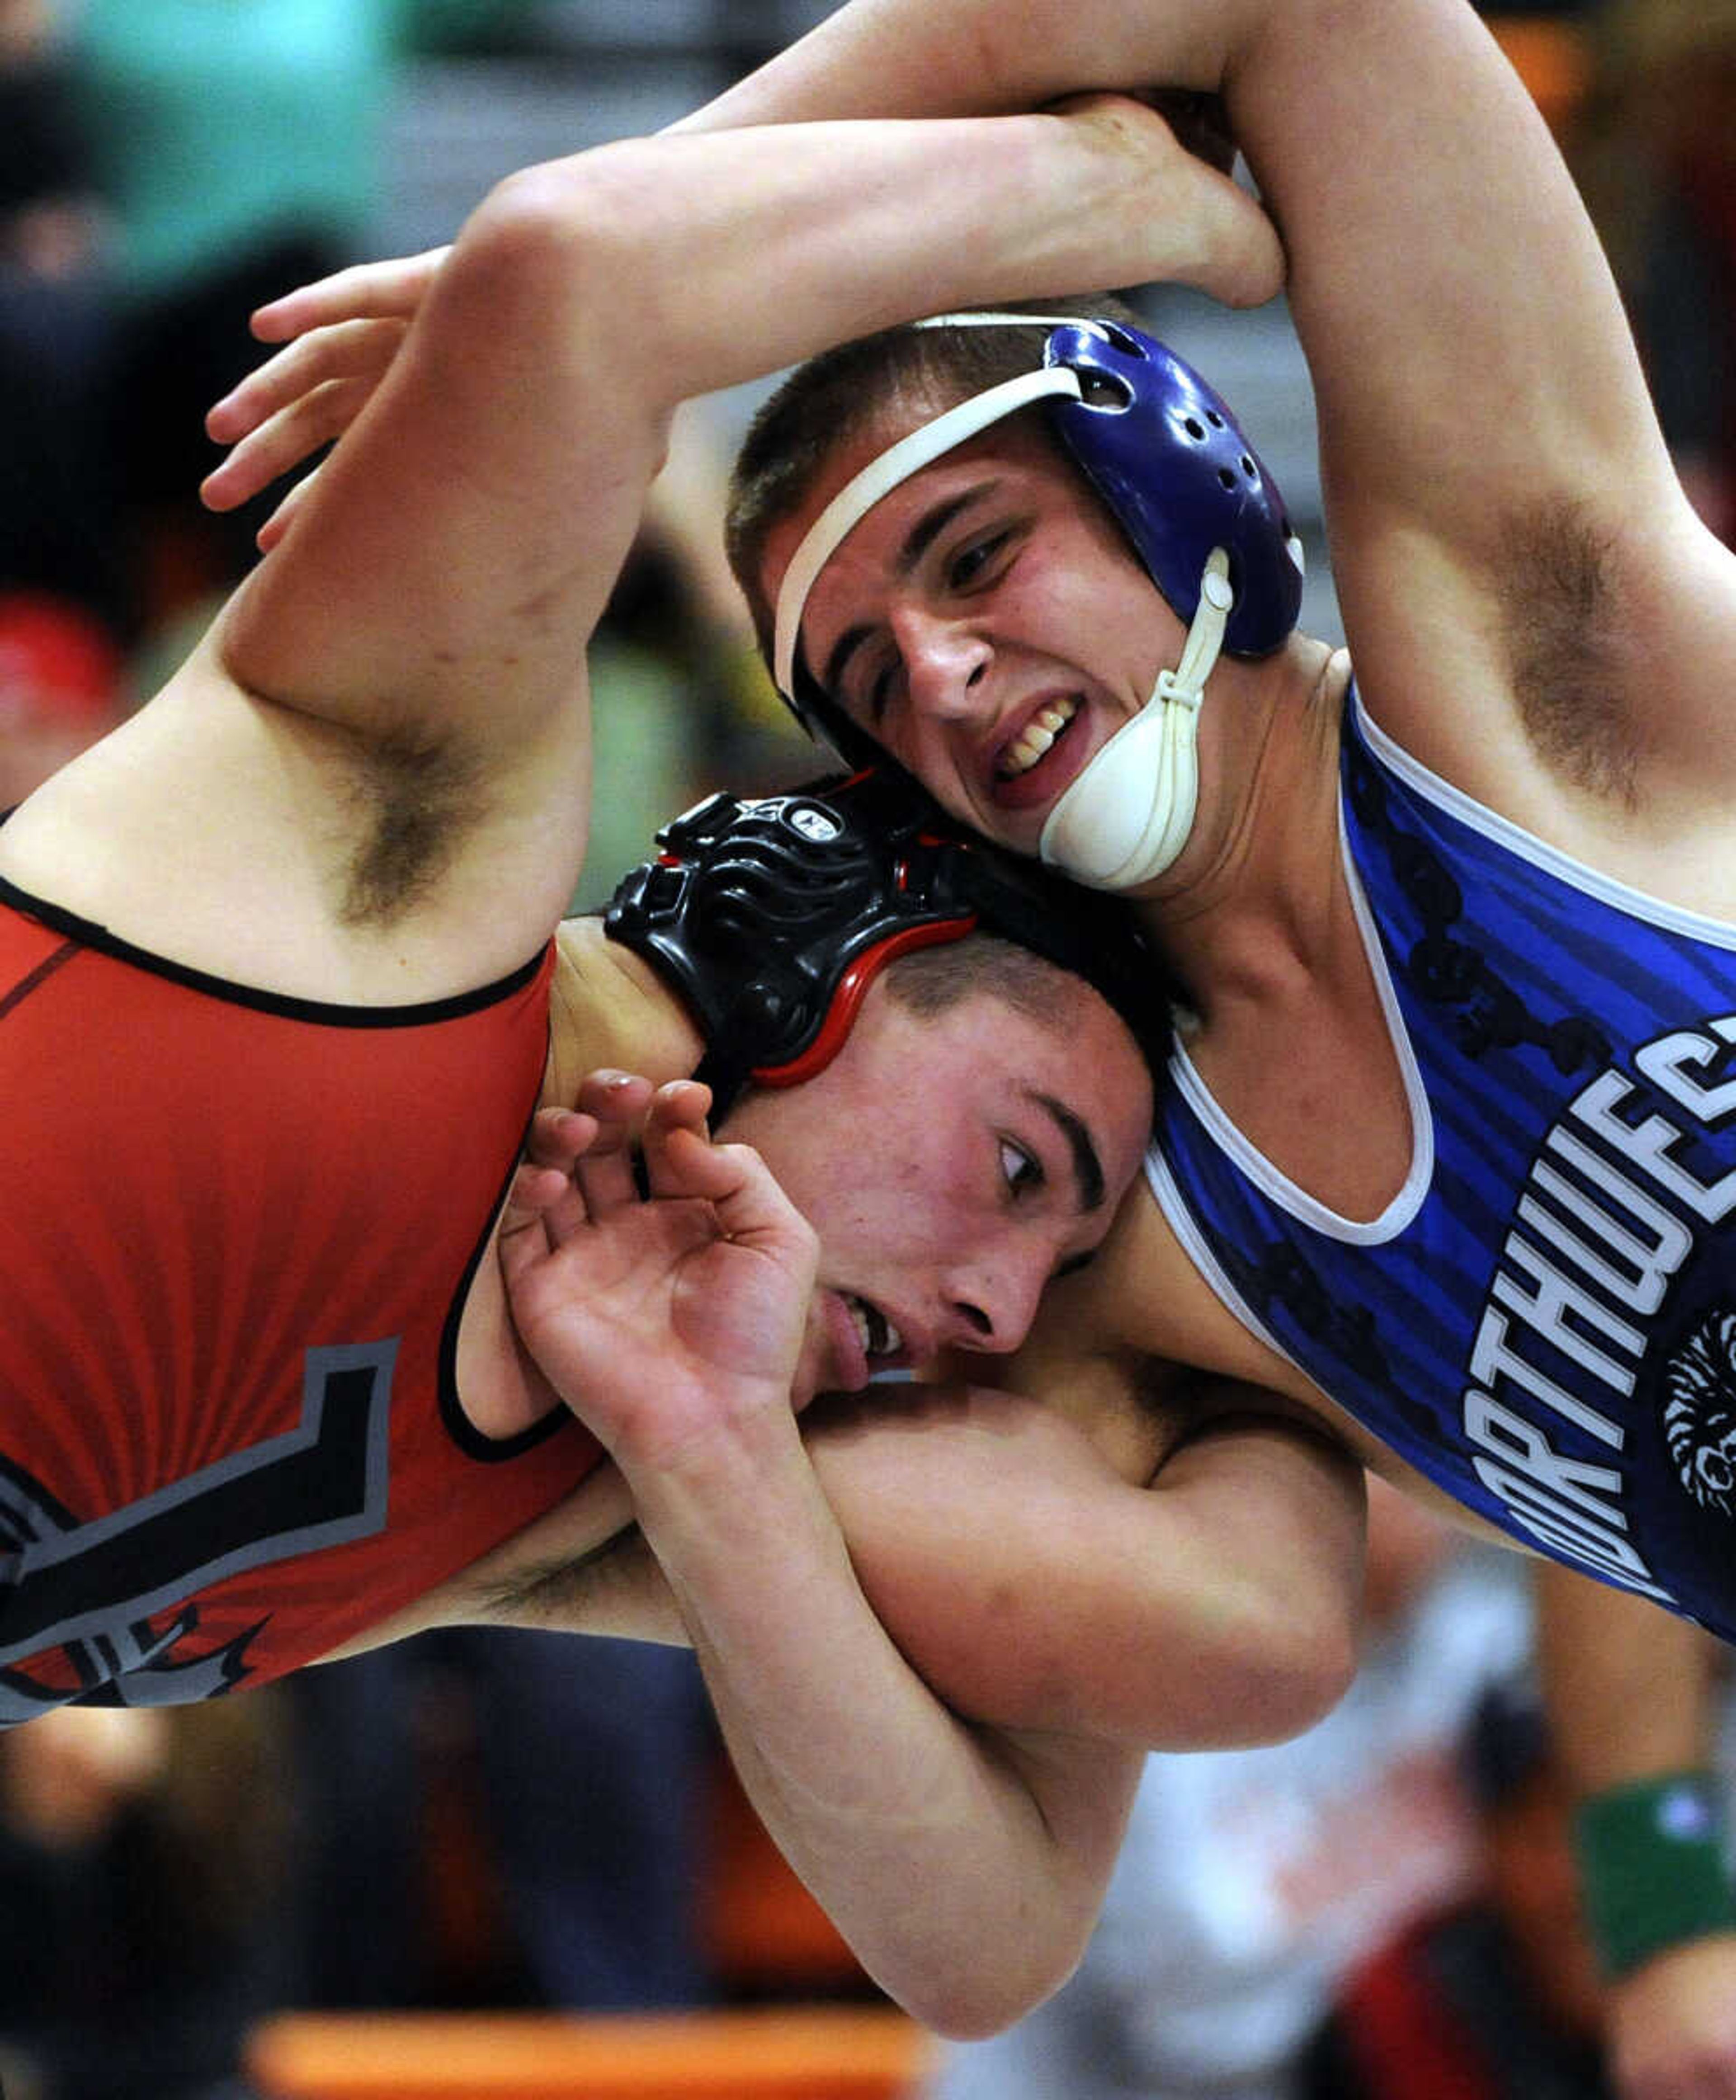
point(770, 918)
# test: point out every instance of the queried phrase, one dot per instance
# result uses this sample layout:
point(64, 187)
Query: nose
point(946, 664)
point(990, 1303)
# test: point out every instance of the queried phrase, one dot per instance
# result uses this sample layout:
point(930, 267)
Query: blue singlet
point(1544, 1319)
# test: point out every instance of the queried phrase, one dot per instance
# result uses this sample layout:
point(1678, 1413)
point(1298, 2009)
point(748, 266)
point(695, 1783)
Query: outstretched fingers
point(544, 1207)
point(678, 1106)
point(394, 288)
point(750, 1206)
point(303, 399)
point(627, 1143)
point(275, 447)
point(281, 519)
point(344, 349)
point(606, 1176)
point(340, 338)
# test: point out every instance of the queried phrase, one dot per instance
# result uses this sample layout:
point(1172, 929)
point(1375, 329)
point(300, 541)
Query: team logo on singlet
point(104, 1607)
point(1624, 1227)
point(1699, 1413)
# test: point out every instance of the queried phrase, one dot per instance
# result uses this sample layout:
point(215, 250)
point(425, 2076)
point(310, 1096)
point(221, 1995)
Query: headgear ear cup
point(770, 918)
point(1179, 475)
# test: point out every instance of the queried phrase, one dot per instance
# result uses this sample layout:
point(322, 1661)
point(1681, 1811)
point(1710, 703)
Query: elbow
point(1302, 1662)
point(979, 1995)
point(1261, 1666)
point(999, 1956)
point(1284, 1617)
point(596, 201)
point(968, 2014)
point(556, 250)
point(1312, 1693)
point(535, 223)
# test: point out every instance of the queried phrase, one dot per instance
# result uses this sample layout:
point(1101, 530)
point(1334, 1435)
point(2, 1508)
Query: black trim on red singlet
point(86, 934)
point(485, 1450)
point(38, 976)
point(322, 1012)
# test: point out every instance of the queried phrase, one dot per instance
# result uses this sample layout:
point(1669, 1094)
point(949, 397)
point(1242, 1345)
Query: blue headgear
point(1171, 461)
point(770, 918)
point(1204, 516)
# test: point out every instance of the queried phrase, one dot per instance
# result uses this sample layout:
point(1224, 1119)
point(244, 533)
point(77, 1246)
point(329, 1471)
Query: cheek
point(890, 1218)
point(1101, 592)
point(825, 1190)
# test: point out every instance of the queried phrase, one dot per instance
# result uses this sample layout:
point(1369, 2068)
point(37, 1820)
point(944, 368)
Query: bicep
point(1034, 1588)
point(1469, 349)
point(462, 540)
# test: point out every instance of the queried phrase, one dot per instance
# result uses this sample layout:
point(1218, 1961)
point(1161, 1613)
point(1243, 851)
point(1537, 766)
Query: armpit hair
point(1164, 1393)
point(1563, 625)
point(553, 1593)
point(417, 795)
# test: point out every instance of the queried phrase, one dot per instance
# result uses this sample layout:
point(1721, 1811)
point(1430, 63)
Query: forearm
point(1439, 265)
point(677, 1323)
point(1032, 1587)
point(916, 58)
point(1628, 1687)
point(1041, 1590)
point(496, 472)
point(1629, 1701)
point(965, 1897)
point(1629, 1695)
point(732, 255)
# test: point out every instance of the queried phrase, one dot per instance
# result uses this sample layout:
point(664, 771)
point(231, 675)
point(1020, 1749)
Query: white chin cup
point(1128, 815)
point(1122, 822)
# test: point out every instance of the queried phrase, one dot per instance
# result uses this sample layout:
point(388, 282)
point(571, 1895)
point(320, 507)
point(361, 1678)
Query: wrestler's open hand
point(660, 1318)
point(340, 335)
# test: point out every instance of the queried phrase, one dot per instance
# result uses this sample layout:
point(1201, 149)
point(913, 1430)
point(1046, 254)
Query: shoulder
point(610, 1008)
point(274, 848)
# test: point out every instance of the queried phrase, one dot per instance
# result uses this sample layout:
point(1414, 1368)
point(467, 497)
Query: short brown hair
point(930, 982)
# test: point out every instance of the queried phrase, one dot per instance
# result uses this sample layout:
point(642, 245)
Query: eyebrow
point(922, 536)
point(1087, 1168)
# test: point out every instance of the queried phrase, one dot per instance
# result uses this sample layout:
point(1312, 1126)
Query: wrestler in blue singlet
point(1542, 1321)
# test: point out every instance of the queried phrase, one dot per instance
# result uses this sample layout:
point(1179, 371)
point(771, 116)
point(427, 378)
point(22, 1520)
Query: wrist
point(1652, 1868)
point(722, 1469)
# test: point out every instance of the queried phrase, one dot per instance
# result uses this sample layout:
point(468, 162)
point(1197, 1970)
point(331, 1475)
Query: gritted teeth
point(1035, 739)
point(877, 1334)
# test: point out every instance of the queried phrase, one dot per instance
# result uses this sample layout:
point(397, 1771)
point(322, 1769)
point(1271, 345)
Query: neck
point(1258, 897)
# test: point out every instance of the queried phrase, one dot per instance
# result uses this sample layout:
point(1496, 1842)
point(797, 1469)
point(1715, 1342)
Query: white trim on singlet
point(1576, 874)
point(1275, 1184)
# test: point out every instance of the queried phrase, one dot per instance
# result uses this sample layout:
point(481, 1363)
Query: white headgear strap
point(896, 464)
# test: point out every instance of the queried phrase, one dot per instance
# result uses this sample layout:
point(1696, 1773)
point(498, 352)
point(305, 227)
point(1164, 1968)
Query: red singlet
point(230, 1283)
